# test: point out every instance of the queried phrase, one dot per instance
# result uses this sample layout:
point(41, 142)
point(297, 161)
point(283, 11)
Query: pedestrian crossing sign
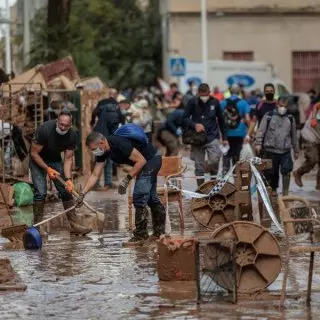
point(177, 66)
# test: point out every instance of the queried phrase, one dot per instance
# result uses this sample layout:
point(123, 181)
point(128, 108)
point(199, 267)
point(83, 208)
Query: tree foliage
point(114, 39)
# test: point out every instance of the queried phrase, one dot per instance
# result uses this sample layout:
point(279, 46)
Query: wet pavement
point(95, 277)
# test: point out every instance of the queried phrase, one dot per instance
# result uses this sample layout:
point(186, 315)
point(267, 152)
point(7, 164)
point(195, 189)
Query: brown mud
point(95, 277)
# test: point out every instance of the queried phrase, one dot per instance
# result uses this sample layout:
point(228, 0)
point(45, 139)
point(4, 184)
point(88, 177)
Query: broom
point(12, 233)
point(100, 215)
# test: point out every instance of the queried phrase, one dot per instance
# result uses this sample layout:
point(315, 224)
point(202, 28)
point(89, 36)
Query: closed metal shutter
point(305, 70)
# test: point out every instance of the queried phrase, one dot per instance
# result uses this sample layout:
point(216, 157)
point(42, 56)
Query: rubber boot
point(141, 232)
point(75, 227)
point(297, 178)
point(200, 182)
point(285, 185)
point(38, 208)
point(158, 213)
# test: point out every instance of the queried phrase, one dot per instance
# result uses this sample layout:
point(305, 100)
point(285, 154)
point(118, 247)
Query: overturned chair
point(172, 167)
point(298, 218)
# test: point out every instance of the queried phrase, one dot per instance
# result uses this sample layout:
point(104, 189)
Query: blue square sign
point(177, 66)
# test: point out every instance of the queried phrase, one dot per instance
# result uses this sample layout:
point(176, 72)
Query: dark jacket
point(109, 116)
point(209, 114)
point(174, 121)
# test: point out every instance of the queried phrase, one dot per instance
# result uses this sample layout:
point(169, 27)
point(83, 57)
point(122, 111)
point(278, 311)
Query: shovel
point(100, 215)
point(14, 232)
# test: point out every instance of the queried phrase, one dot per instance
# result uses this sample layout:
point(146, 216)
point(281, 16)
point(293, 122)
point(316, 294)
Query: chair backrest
point(294, 207)
point(170, 165)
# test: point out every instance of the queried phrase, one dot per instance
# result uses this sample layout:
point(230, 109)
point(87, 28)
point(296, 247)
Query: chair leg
point(284, 280)
point(181, 214)
point(310, 277)
point(130, 222)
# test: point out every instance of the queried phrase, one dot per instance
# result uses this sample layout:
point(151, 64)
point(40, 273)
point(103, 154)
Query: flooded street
point(95, 277)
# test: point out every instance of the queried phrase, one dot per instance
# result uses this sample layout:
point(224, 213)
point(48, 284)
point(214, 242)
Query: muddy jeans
point(108, 173)
point(171, 142)
point(39, 179)
point(213, 152)
point(145, 188)
point(312, 157)
point(282, 162)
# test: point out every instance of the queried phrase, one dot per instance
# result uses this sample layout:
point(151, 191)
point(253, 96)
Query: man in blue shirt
point(236, 113)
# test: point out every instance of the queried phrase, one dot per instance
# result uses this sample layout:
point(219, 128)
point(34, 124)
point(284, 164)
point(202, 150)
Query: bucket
point(32, 239)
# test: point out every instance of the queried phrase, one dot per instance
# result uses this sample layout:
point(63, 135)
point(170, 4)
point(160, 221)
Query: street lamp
point(204, 40)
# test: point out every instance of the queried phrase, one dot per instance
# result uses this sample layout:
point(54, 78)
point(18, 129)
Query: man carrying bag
point(203, 121)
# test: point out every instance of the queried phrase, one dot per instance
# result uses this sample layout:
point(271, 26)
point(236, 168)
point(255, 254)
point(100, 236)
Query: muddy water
point(97, 278)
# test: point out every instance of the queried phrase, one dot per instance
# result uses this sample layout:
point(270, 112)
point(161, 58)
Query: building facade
point(280, 32)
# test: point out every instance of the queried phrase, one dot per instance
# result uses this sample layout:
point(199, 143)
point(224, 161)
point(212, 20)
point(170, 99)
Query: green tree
point(116, 40)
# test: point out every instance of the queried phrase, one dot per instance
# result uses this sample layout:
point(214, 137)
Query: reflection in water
point(97, 278)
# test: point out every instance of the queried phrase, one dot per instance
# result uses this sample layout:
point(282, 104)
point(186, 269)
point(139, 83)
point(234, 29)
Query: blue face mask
point(124, 112)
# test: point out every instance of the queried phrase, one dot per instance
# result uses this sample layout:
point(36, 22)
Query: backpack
point(270, 115)
point(231, 114)
point(132, 131)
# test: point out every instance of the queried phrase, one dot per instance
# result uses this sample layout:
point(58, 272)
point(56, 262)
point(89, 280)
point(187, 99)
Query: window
point(238, 55)
point(305, 70)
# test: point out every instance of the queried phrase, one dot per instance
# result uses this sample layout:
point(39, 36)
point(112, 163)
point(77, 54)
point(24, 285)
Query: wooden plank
point(13, 287)
point(8, 193)
point(3, 210)
point(5, 222)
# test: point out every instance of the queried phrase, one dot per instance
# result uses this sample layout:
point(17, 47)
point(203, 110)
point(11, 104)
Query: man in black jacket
point(203, 114)
point(109, 117)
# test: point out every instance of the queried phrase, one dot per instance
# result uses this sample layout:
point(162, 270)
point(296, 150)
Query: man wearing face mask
point(146, 163)
point(277, 135)
point(203, 114)
point(264, 106)
point(109, 117)
point(124, 106)
point(52, 138)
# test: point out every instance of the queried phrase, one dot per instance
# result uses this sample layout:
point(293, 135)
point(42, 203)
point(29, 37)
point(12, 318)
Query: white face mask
point(194, 90)
point(60, 132)
point(282, 110)
point(204, 99)
point(318, 115)
point(98, 152)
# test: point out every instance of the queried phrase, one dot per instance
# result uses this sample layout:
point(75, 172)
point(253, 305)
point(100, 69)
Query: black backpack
point(231, 114)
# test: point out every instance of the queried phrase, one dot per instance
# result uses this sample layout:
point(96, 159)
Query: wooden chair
point(298, 218)
point(171, 167)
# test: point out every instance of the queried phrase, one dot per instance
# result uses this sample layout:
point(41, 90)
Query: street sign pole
point(7, 40)
point(204, 39)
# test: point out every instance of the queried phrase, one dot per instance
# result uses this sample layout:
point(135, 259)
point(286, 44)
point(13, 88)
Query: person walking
point(146, 163)
point(264, 106)
point(52, 138)
point(312, 149)
point(277, 136)
point(109, 118)
point(203, 114)
point(236, 113)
